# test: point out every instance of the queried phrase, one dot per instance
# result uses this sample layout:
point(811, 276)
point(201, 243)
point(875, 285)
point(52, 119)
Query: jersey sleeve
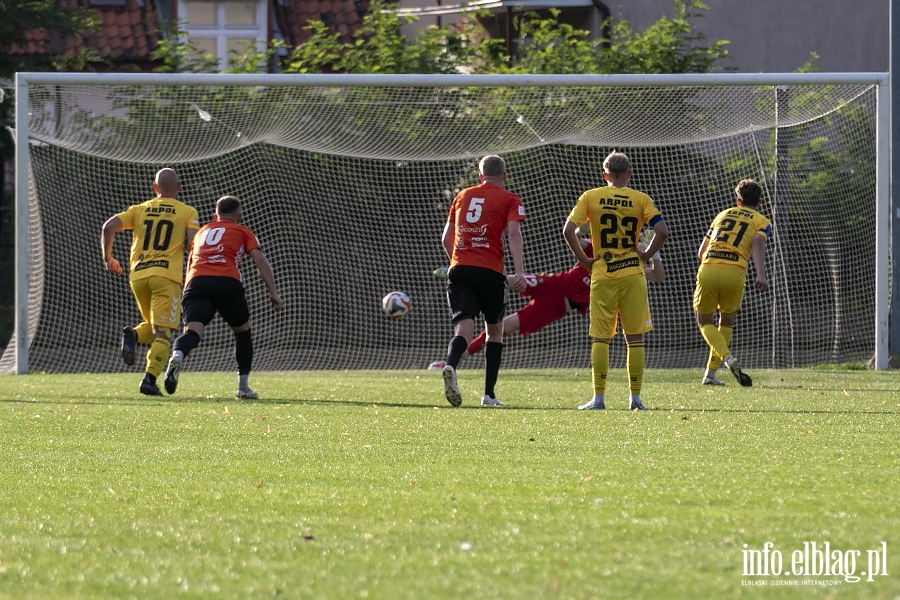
point(516, 210)
point(127, 216)
point(650, 211)
point(579, 213)
point(765, 230)
point(193, 220)
point(250, 240)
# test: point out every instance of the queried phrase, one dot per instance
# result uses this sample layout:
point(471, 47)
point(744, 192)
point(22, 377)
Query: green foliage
point(17, 18)
point(542, 45)
point(367, 485)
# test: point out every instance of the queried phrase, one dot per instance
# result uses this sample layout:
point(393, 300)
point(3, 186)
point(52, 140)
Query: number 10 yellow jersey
point(160, 230)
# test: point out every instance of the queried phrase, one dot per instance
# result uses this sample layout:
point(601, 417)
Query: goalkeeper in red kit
point(553, 295)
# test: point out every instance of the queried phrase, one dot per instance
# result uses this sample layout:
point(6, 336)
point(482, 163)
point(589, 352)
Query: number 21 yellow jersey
point(731, 236)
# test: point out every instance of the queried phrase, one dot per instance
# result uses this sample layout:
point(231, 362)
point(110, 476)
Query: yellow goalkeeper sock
point(157, 356)
point(715, 340)
point(635, 365)
point(714, 361)
point(144, 333)
point(599, 365)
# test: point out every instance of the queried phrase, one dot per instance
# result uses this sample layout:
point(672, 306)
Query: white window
point(222, 26)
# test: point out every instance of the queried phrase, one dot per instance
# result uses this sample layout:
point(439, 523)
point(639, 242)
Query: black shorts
point(474, 290)
point(206, 295)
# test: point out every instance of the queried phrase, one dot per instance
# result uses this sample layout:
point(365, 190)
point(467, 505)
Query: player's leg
point(198, 311)
point(491, 292)
point(493, 355)
point(165, 313)
point(143, 332)
point(604, 311)
point(231, 304)
point(464, 308)
point(634, 312)
point(722, 288)
point(726, 328)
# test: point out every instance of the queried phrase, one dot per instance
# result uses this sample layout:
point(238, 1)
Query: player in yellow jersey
point(163, 228)
point(734, 235)
point(616, 214)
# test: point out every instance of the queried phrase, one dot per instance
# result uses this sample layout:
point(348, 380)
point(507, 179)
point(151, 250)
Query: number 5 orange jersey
point(616, 216)
point(478, 216)
point(731, 236)
point(160, 231)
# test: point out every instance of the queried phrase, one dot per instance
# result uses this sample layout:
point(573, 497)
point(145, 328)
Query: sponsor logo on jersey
point(722, 255)
point(152, 264)
point(160, 210)
point(616, 201)
point(477, 230)
point(623, 264)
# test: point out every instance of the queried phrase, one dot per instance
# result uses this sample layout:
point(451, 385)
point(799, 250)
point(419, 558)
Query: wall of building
point(778, 35)
point(765, 35)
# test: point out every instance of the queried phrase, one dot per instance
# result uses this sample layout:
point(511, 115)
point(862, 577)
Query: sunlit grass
point(367, 484)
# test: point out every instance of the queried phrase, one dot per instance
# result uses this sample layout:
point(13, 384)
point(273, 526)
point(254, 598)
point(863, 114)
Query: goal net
point(348, 188)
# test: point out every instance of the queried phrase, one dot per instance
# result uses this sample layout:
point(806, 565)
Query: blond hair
point(492, 166)
point(616, 164)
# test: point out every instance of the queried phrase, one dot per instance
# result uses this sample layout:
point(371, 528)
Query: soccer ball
point(396, 305)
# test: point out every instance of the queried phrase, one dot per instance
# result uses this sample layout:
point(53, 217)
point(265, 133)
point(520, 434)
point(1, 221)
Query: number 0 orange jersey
point(218, 248)
point(160, 232)
point(478, 216)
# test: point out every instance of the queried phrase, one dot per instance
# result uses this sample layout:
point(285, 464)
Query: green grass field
point(368, 485)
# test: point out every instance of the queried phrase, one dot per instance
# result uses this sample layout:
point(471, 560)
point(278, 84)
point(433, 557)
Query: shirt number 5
point(473, 215)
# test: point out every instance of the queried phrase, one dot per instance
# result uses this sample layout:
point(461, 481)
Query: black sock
point(150, 378)
point(243, 351)
point(493, 352)
point(455, 350)
point(186, 342)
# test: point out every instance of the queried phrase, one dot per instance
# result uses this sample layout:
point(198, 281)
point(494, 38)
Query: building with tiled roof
point(131, 29)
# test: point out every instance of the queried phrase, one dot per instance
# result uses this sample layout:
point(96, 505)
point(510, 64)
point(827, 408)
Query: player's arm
point(189, 234)
point(265, 271)
point(661, 232)
point(112, 226)
point(758, 251)
point(516, 249)
point(702, 249)
point(571, 236)
point(447, 239)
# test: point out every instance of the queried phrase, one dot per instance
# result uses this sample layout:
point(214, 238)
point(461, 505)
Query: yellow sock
point(599, 365)
point(144, 333)
point(716, 340)
point(714, 361)
point(157, 356)
point(635, 364)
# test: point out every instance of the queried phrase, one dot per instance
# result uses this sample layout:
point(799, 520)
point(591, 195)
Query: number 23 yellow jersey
point(616, 216)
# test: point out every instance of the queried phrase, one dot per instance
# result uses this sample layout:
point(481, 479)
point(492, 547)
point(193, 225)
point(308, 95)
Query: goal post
point(347, 180)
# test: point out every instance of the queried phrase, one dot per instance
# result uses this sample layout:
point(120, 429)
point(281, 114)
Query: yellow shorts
point(159, 300)
point(719, 287)
point(625, 298)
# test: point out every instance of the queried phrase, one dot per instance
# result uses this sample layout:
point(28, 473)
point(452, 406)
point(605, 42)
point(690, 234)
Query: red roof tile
point(127, 33)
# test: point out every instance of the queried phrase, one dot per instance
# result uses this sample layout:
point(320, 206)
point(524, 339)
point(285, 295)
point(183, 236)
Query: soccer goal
point(347, 181)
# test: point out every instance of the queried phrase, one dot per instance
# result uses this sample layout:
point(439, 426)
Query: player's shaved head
point(167, 182)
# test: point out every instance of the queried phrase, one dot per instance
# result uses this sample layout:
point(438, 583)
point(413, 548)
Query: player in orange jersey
point(479, 218)
point(214, 286)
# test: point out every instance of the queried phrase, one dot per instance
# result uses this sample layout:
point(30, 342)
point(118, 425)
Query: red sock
point(477, 344)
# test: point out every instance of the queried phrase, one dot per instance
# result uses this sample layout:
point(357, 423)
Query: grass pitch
point(369, 485)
